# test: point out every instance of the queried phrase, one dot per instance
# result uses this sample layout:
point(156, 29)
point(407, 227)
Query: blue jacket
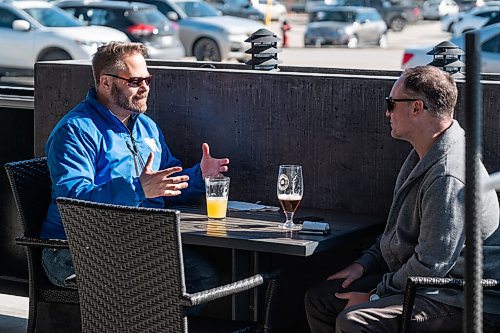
point(90, 154)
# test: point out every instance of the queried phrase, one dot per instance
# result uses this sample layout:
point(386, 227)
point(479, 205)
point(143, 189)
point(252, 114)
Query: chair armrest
point(70, 281)
point(415, 282)
point(228, 289)
point(31, 241)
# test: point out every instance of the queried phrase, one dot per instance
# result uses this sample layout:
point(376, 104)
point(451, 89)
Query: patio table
point(259, 231)
point(249, 234)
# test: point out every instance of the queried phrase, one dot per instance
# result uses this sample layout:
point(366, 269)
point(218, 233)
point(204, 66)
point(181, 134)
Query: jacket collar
point(414, 168)
point(105, 112)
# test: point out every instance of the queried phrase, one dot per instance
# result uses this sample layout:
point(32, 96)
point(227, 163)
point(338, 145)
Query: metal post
point(473, 320)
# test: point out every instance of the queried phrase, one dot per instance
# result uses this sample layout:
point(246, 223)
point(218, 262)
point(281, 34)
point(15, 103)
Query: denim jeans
point(200, 274)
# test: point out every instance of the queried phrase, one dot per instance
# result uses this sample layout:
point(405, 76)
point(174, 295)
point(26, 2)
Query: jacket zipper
point(136, 156)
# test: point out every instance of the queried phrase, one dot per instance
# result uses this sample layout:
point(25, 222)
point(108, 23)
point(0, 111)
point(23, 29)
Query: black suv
point(140, 22)
point(395, 14)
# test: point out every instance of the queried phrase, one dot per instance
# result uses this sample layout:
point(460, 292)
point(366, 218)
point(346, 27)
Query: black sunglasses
point(133, 82)
point(391, 102)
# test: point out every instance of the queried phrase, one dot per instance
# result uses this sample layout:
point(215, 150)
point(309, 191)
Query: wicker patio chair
point(415, 282)
point(130, 275)
point(31, 186)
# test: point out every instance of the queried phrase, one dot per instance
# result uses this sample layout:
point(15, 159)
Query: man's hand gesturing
point(212, 166)
point(159, 183)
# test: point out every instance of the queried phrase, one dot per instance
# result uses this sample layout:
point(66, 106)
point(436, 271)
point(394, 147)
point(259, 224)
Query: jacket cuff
point(367, 261)
point(140, 196)
point(198, 183)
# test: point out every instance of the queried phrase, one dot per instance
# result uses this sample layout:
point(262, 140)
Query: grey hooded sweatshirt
point(425, 231)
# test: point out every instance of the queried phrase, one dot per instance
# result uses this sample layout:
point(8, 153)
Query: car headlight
point(237, 38)
point(89, 43)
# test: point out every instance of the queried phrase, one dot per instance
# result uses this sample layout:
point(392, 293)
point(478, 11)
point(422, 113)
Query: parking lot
point(422, 33)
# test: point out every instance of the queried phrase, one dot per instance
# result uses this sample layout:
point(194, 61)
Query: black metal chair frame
point(129, 270)
point(31, 186)
point(415, 282)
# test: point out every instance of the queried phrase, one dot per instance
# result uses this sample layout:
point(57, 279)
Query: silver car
point(205, 33)
point(490, 50)
point(32, 31)
point(351, 26)
point(448, 21)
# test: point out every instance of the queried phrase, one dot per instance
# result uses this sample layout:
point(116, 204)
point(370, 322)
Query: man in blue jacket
point(107, 150)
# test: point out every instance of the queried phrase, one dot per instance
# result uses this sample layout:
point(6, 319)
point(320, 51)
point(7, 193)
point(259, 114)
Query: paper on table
point(248, 206)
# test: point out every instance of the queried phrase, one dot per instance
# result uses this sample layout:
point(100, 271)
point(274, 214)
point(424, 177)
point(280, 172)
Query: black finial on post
point(447, 56)
point(264, 50)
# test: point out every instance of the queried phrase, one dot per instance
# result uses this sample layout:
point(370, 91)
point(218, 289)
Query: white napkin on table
point(249, 207)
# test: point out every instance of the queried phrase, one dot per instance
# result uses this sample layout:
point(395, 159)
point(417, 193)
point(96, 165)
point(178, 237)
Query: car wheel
point(352, 42)
point(382, 41)
point(398, 24)
point(55, 55)
point(206, 50)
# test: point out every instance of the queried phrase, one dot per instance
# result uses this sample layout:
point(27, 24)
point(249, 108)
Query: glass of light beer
point(290, 188)
point(217, 191)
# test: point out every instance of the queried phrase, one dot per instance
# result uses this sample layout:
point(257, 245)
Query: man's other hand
point(159, 183)
point(351, 273)
point(354, 298)
point(212, 166)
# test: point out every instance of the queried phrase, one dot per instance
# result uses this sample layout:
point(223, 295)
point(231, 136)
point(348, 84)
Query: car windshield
point(52, 17)
point(197, 9)
point(340, 16)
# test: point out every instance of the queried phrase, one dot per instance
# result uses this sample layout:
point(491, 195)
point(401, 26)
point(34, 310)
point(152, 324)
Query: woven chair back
point(128, 263)
point(31, 186)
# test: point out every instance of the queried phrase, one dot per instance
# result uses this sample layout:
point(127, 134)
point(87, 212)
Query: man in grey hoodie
point(425, 232)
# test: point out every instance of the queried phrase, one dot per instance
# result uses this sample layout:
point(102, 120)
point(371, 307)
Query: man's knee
point(322, 297)
point(312, 296)
point(318, 295)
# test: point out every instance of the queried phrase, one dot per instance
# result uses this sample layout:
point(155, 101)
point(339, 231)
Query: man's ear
point(418, 106)
point(105, 82)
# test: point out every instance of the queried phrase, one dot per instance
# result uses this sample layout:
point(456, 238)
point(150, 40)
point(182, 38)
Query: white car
point(205, 33)
point(435, 9)
point(487, 16)
point(277, 10)
point(490, 51)
point(37, 31)
point(447, 21)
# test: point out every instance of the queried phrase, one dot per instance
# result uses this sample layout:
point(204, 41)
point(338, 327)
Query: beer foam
point(289, 197)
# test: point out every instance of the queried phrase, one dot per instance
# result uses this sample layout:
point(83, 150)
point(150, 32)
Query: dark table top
point(259, 231)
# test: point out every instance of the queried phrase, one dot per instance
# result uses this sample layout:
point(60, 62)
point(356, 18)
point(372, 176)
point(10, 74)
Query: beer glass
point(217, 191)
point(290, 188)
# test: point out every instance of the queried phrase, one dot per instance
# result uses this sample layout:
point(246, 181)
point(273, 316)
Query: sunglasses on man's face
point(133, 82)
point(391, 102)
